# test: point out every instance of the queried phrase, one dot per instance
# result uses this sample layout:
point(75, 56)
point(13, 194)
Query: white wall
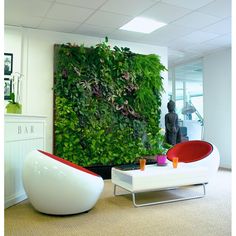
point(13, 37)
point(36, 64)
point(217, 103)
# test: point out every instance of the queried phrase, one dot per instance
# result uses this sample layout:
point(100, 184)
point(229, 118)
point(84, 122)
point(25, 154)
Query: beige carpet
point(208, 216)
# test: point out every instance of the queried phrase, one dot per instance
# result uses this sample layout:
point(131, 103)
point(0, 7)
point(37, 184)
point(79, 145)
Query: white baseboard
point(14, 200)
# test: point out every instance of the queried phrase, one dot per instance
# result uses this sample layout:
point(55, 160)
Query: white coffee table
point(155, 178)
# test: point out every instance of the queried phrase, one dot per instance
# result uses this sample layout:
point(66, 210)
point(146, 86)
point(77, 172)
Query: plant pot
point(15, 108)
point(161, 159)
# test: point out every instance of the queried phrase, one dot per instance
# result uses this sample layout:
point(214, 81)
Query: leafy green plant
point(12, 99)
point(106, 102)
point(158, 144)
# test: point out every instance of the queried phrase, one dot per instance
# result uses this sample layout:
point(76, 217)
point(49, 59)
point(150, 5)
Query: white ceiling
point(195, 27)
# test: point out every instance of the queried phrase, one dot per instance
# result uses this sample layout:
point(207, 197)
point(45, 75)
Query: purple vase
point(161, 160)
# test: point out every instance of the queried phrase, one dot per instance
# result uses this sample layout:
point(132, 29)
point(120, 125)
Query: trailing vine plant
point(107, 104)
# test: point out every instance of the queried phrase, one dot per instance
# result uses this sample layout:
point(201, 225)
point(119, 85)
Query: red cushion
point(68, 163)
point(190, 151)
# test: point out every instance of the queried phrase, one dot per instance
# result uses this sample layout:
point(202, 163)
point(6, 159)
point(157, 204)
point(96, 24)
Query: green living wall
point(107, 104)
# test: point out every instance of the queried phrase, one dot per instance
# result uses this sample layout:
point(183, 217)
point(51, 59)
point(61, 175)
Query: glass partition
point(186, 89)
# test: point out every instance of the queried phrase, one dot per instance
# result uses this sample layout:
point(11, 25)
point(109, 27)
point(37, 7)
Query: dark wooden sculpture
point(173, 135)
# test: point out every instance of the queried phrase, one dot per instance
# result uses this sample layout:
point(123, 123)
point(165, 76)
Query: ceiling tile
point(197, 20)
point(93, 30)
point(68, 12)
point(224, 40)
point(203, 51)
point(190, 4)
point(219, 8)
point(130, 8)
point(221, 27)
point(126, 35)
point(200, 36)
point(108, 19)
point(169, 33)
point(22, 20)
point(180, 44)
point(201, 48)
point(102, 18)
point(26, 8)
point(58, 25)
point(165, 12)
point(93, 4)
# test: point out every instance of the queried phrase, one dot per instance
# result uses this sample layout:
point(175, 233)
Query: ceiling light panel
point(142, 25)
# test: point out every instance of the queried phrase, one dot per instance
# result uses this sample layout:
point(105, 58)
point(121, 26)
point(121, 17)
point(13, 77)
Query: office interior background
point(195, 45)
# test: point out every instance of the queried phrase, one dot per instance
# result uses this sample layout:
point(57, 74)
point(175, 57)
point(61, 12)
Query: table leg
point(168, 201)
point(114, 189)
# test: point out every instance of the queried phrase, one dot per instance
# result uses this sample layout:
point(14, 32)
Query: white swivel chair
point(57, 186)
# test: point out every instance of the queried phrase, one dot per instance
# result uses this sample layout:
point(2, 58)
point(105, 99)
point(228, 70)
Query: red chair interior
point(190, 151)
point(68, 163)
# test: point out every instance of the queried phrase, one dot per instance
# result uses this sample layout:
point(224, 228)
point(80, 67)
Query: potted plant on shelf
point(153, 148)
point(14, 105)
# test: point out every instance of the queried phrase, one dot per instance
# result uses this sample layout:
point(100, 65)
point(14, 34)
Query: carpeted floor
point(116, 216)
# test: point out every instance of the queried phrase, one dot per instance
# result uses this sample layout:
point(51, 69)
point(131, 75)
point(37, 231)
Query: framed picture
point(8, 63)
point(7, 88)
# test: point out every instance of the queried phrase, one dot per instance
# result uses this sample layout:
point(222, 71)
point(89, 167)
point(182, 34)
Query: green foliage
point(12, 99)
point(107, 107)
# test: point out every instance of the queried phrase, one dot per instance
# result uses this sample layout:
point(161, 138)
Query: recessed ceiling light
point(142, 25)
